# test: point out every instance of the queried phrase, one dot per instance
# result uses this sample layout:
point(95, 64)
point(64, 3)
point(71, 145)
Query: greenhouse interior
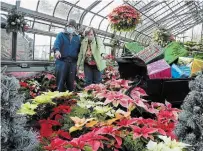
point(101, 75)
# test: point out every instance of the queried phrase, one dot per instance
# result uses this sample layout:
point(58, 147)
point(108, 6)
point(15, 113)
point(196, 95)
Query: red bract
point(64, 134)
point(46, 127)
point(143, 132)
point(109, 130)
point(77, 143)
point(23, 84)
point(57, 144)
point(61, 109)
point(126, 122)
point(93, 140)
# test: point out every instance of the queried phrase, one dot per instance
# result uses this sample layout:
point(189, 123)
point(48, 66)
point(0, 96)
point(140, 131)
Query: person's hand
point(58, 55)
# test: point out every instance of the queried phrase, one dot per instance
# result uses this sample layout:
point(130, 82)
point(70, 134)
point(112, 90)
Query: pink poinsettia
point(96, 87)
point(116, 98)
point(118, 84)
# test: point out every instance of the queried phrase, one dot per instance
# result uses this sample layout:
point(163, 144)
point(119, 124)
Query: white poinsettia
point(166, 145)
point(173, 143)
point(154, 146)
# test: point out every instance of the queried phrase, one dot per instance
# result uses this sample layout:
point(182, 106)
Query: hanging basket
point(124, 18)
point(16, 22)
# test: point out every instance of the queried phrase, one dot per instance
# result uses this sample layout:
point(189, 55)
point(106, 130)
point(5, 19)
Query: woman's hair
point(87, 31)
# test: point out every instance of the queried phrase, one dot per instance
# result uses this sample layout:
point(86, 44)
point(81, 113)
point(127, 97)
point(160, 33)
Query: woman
point(90, 57)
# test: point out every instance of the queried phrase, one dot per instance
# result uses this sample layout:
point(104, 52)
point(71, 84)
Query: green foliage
point(193, 46)
point(76, 111)
point(133, 145)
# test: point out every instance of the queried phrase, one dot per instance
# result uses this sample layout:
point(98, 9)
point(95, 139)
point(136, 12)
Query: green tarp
point(173, 51)
point(134, 47)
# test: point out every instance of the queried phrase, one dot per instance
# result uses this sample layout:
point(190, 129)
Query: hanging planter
point(163, 37)
point(124, 18)
point(16, 22)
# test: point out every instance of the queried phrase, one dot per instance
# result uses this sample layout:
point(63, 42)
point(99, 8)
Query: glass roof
point(177, 16)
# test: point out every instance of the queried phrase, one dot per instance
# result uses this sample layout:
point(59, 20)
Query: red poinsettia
point(46, 127)
point(56, 144)
point(64, 134)
point(109, 130)
point(23, 84)
point(94, 140)
point(143, 132)
point(127, 122)
point(77, 144)
point(61, 109)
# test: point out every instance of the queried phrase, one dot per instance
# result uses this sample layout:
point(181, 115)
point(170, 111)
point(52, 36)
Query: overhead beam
point(56, 20)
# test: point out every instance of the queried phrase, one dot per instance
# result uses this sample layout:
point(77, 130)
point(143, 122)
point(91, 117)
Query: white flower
point(13, 23)
point(18, 20)
point(153, 146)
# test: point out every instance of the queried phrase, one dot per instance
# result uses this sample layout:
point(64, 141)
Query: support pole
point(14, 45)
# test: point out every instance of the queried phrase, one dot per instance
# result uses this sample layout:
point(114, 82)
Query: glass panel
point(107, 50)
point(29, 21)
point(104, 24)
point(62, 10)
point(110, 7)
point(6, 45)
point(85, 3)
point(99, 6)
point(13, 2)
point(75, 14)
point(41, 25)
point(56, 28)
point(42, 47)
point(107, 41)
point(87, 19)
point(47, 6)
point(96, 21)
point(29, 4)
point(25, 46)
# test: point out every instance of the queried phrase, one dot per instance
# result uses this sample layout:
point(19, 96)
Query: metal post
point(14, 45)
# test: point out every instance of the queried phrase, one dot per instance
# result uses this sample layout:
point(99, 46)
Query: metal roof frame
point(180, 13)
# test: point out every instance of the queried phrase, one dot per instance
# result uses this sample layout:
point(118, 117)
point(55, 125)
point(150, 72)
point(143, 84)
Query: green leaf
point(27, 108)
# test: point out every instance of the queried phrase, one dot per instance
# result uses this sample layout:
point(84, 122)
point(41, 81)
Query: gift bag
point(197, 66)
point(186, 71)
point(159, 70)
point(176, 72)
point(150, 53)
point(173, 51)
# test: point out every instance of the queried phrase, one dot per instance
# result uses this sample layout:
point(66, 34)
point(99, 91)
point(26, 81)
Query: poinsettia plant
point(124, 18)
point(101, 117)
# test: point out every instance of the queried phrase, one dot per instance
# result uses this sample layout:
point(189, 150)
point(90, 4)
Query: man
point(66, 48)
